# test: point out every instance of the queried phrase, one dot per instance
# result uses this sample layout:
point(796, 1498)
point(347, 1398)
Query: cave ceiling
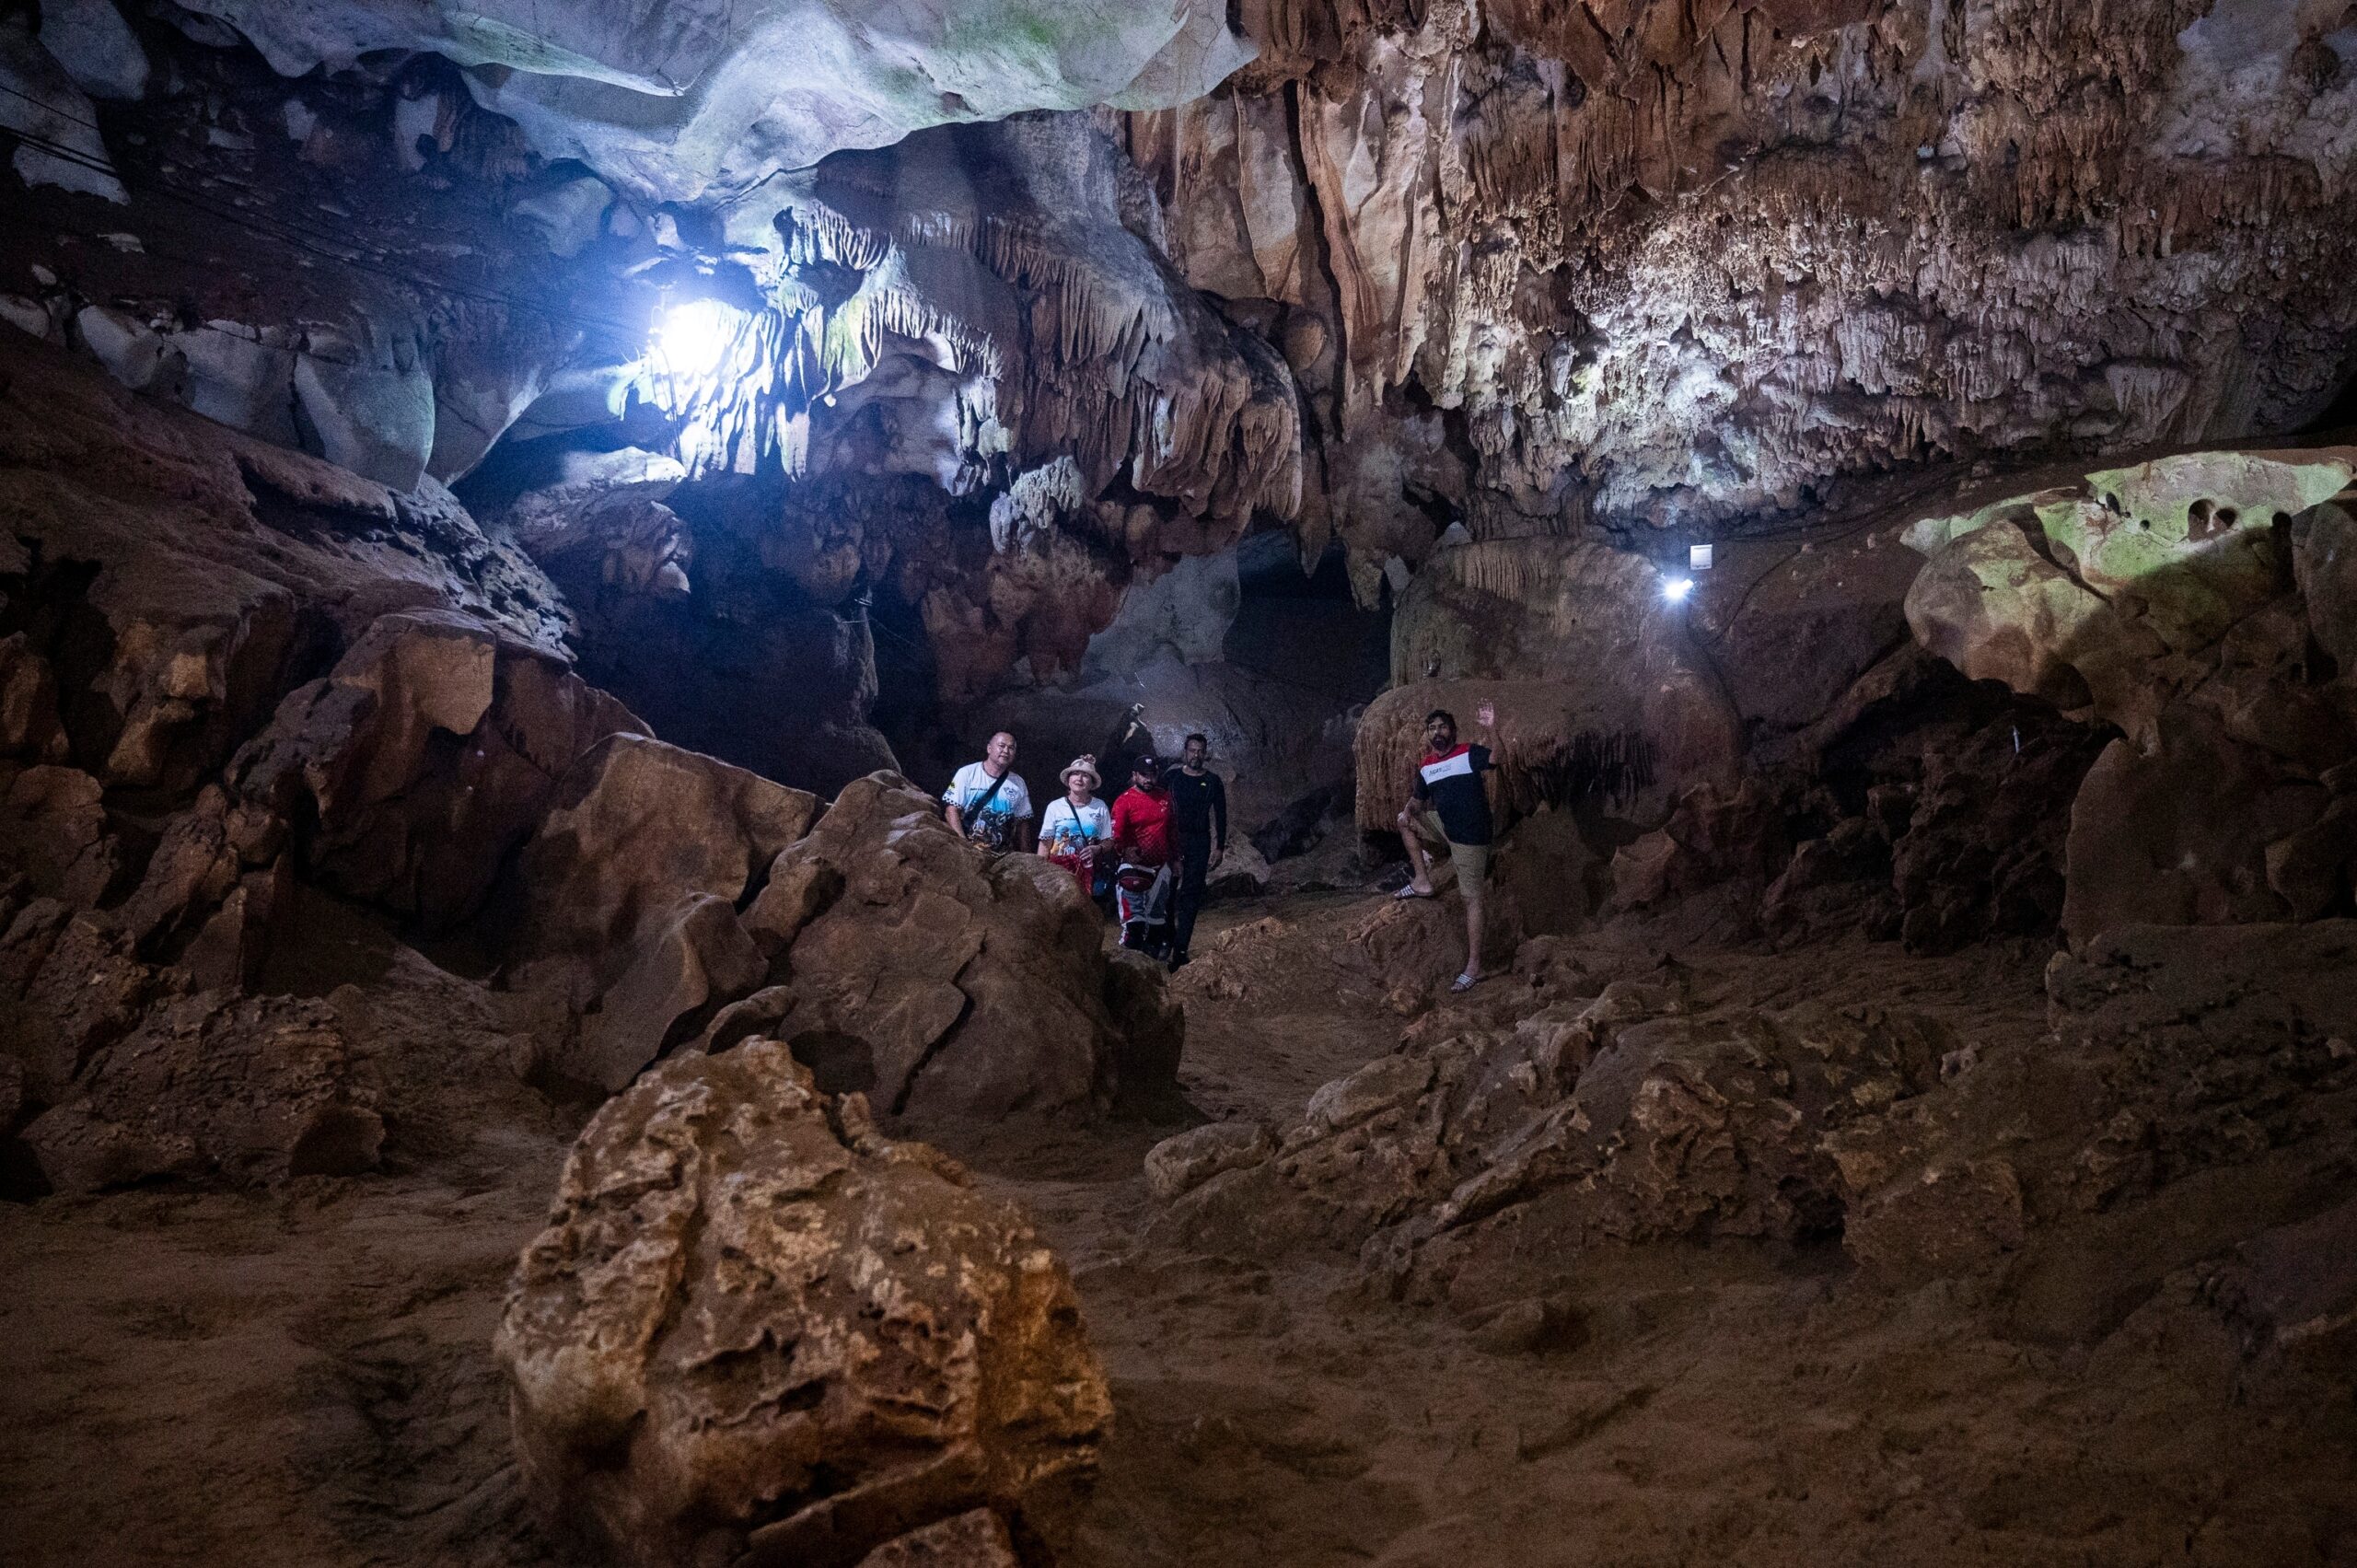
point(1121, 282)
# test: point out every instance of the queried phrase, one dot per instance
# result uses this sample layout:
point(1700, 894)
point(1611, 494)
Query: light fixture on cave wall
point(1677, 587)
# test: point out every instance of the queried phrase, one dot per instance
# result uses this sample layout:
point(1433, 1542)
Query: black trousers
point(1194, 871)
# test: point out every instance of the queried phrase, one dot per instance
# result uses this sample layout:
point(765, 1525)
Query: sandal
point(1466, 981)
point(1410, 891)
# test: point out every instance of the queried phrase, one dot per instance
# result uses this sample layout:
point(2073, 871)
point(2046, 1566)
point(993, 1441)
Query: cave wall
point(1363, 270)
point(1490, 298)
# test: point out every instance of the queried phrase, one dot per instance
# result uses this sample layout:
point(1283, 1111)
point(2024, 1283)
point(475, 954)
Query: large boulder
point(627, 897)
point(1992, 604)
point(2179, 833)
point(667, 894)
point(2194, 602)
point(756, 1332)
point(944, 982)
point(212, 1088)
point(2079, 594)
point(423, 759)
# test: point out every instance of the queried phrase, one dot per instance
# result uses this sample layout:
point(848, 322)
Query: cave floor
point(304, 1376)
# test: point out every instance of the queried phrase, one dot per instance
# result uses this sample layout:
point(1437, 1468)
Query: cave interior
point(513, 520)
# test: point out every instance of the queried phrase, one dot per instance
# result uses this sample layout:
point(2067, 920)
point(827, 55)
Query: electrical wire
point(48, 108)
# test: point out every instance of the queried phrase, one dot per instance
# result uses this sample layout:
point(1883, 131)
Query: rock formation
point(2183, 601)
point(1600, 1114)
point(1362, 271)
point(237, 674)
point(944, 985)
point(756, 1329)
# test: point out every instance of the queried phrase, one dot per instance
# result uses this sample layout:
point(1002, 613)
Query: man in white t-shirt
point(987, 802)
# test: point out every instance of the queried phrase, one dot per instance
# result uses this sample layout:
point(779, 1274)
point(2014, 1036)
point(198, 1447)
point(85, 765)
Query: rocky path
point(1728, 1401)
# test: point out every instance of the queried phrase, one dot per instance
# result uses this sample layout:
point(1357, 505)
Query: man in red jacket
point(1142, 840)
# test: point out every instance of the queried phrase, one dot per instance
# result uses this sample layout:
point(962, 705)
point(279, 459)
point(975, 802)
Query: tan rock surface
point(945, 982)
point(755, 1327)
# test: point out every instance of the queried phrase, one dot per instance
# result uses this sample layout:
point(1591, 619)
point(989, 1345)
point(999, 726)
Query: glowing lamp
point(690, 338)
point(1675, 589)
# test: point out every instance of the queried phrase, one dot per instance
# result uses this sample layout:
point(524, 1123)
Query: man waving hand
point(1449, 806)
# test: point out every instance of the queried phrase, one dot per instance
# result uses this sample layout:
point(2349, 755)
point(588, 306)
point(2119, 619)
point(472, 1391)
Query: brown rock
point(2310, 870)
point(2293, 1289)
point(79, 992)
point(1992, 605)
point(948, 982)
point(29, 729)
point(974, 1539)
point(1942, 1219)
point(635, 828)
point(1178, 1166)
point(248, 1091)
point(2179, 834)
point(53, 828)
point(186, 572)
point(752, 1327)
point(2212, 1039)
point(698, 956)
point(206, 854)
point(421, 763)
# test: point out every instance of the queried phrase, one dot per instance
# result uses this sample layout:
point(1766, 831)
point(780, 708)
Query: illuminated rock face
point(2192, 603)
point(1674, 262)
point(675, 102)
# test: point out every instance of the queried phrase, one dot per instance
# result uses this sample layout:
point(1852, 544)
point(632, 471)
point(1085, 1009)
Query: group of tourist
point(1154, 849)
point(1150, 851)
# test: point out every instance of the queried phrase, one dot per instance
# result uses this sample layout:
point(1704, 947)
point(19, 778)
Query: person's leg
point(1194, 872)
point(1158, 912)
point(1472, 863)
point(1422, 835)
point(1419, 864)
point(1125, 916)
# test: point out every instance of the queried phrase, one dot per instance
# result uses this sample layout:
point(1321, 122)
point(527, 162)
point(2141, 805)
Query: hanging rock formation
point(1363, 270)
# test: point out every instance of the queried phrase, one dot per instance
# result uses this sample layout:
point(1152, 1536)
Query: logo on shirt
point(1457, 764)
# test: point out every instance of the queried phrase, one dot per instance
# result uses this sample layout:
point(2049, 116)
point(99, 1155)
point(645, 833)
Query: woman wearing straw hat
point(1077, 825)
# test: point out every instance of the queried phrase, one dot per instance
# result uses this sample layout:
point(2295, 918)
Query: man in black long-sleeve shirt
point(1199, 821)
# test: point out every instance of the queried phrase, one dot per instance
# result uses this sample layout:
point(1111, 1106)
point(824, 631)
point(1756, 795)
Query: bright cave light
point(1675, 589)
point(690, 338)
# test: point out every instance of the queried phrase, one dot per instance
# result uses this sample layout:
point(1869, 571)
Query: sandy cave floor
point(304, 1378)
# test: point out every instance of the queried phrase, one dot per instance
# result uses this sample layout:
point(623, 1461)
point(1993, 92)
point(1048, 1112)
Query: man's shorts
point(1472, 861)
